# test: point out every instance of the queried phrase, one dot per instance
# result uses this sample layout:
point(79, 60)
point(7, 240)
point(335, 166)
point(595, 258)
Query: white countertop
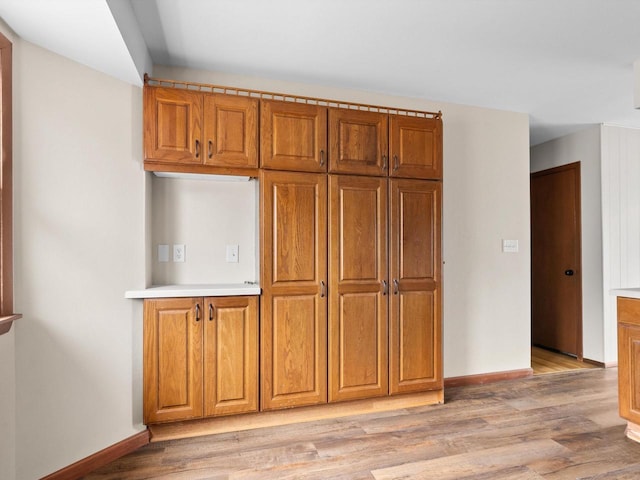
point(212, 290)
point(626, 292)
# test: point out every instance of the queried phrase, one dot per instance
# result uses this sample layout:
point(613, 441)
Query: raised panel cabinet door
point(294, 304)
point(230, 355)
point(415, 147)
point(358, 142)
point(629, 358)
point(293, 136)
point(172, 359)
point(415, 331)
point(629, 372)
point(173, 125)
point(358, 287)
point(230, 131)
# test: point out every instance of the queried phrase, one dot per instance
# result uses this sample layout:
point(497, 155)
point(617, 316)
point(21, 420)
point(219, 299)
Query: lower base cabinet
point(200, 357)
point(629, 364)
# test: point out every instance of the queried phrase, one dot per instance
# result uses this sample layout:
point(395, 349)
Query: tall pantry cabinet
point(351, 272)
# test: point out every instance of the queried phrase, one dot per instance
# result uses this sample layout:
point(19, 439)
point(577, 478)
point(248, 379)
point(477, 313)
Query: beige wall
point(82, 240)
point(80, 233)
point(583, 147)
point(486, 199)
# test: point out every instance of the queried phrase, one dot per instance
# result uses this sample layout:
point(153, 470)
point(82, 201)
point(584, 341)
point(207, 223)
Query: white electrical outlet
point(163, 253)
point(509, 246)
point(178, 253)
point(232, 253)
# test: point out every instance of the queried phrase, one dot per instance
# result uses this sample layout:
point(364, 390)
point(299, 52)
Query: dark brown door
point(556, 277)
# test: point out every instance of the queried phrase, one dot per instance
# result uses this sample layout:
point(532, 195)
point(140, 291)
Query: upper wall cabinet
point(293, 136)
point(415, 147)
point(358, 142)
point(192, 131)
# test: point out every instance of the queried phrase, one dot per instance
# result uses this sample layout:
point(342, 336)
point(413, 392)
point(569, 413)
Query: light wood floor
point(562, 426)
point(545, 361)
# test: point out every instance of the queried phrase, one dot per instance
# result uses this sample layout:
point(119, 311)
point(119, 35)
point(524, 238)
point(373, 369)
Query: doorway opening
point(556, 270)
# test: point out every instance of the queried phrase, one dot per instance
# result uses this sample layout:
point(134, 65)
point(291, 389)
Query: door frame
point(575, 166)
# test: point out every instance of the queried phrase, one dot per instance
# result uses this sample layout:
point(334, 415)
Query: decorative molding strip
point(483, 378)
point(600, 364)
point(99, 459)
point(245, 92)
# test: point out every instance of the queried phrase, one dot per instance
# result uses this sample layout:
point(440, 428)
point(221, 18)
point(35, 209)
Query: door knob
point(568, 273)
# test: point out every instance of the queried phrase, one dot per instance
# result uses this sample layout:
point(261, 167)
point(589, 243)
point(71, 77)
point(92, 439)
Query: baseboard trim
point(600, 364)
point(483, 378)
point(99, 459)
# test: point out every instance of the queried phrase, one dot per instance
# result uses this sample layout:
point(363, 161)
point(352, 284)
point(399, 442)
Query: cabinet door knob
point(385, 287)
point(210, 149)
point(197, 148)
point(384, 162)
point(568, 273)
point(211, 310)
point(322, 158)
point(322, 289)
point(396, 286)
point(197, 312)
point(396, 164)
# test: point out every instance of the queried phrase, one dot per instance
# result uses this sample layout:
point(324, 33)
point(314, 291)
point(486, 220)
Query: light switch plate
point(232, 253)
point(509, 246)
point(163, 253)
point(178, 253)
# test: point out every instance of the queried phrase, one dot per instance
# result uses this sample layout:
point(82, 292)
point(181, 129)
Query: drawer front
point(629, 310)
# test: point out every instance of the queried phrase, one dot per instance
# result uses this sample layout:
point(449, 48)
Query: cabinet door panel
point(172, 120)
point(629, 371)
point(415, 147)
point(358, 301)
point(231, 355)
point(172, 360)
point(230, 131)
point(415, 344)
point(293, 271)
point(358, 142)
point(293, 136)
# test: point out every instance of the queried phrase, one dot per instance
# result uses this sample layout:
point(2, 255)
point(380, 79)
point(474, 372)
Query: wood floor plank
point(551, 427)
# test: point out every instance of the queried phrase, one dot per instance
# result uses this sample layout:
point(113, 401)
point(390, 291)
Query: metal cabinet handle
point(197, 312)
point(568, 273)
point(210, 149)
point(385, 287)
point(322, 289)
point(384, 162)
point(211, 310)
point(197, 148)
point(396, 164)
point(322, 158)
point(396, 286)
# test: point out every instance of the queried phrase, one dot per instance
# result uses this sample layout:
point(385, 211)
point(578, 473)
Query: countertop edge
point(174, 291)
point(625, 292)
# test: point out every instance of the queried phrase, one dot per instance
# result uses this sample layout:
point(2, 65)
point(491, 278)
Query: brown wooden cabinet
point(194, 130)
point(359, 142)
point(415, 147)
point(200, 357)
point(629, 364)
point(358, 287)
point(415, 262)
point(294, 275)
point(293, 136)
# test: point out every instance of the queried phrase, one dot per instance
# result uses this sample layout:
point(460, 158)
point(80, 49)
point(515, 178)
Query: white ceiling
point(567, 63)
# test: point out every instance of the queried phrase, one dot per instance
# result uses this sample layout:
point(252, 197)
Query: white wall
point(205, 216)
point(79, 244)
point(583, 147)
point(620, 221)
point(486, 198)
